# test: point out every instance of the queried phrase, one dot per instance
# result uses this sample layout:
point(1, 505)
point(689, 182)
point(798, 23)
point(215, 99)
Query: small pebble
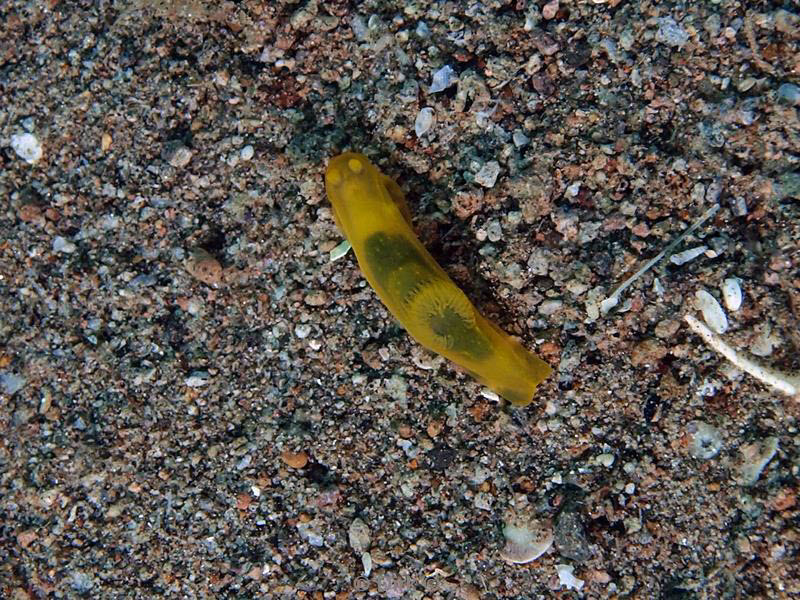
point(573, 190)
point(247, 152)
point(359, 28)
point(442, 79)
point(594, 301)
point(316, 298)
point(788, 23)
point(296, 460)
point(27, 147)
point(520, 139)
point(670, 33)
point(514, 217)
point(648, 352)
point(359, 536)
point(482, 116)
point(658, 287)
point(550, 307)
point(605, 459)
point(197, 379)
point(63, 245)
point(309, 533)
point(435, 427)
point(545, 43)
point(487, 176)
point(570, 536)
point(396, 388)
point(539, 261)
point(494, 231)
point(739, 206)
point(482, 501)
point(789, 93)
point(712, 25)
point(632, 525)
point(424, 121)
point(550, 9)
point(29, 212)
point(204, 267)
point(11, 383)
point(627, 39)
point(176, 154)
point(489, 395)
point(746, 84)
point(467, 591)
point(82, 583)
point(610, 47)
point(302, 331)
point(666, 328)
point(765, 342)
point(576, 288)
point(713, 192)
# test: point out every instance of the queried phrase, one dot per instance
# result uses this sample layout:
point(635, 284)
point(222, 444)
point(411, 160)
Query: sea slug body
point(370, 210)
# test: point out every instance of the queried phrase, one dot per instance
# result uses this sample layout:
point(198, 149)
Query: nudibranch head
point(344, 167)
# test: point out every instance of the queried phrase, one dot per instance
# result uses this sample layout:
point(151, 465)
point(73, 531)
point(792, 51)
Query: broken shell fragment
point(755, 457)
point(567, 579)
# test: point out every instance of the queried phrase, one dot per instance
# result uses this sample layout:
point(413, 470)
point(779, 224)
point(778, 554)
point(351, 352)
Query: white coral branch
point(610, 302)
point(788, 383)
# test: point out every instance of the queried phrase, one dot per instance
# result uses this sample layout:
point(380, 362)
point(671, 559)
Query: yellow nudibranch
point(370, 210)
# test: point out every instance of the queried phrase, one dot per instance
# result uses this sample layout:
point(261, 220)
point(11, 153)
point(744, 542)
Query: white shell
point(366, 562)
point(27, 147)
point(681, 258)
point(340, 250)
point(658, 287)
point(424, 121)
point(705, 441)
point(525, 542)
point(732, 293)
point(713, 314)
point(442, 79)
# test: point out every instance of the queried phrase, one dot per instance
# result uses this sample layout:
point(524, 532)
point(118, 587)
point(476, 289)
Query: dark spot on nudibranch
point(437, 305)
point(446, 312)
point(386, 253)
